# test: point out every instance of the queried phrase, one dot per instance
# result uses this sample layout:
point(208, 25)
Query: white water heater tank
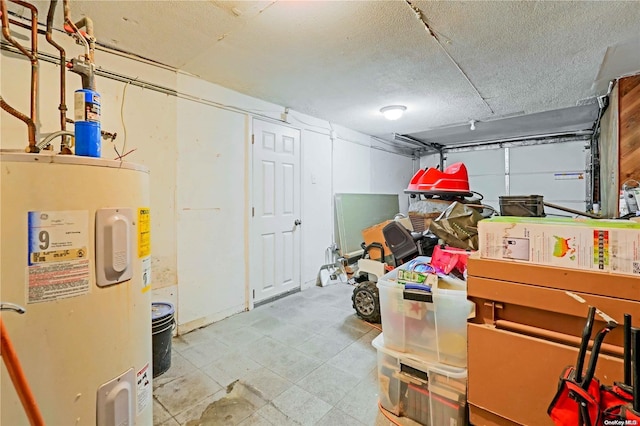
point(75, 253)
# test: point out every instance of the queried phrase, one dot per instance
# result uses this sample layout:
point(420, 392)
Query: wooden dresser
point(527, 329)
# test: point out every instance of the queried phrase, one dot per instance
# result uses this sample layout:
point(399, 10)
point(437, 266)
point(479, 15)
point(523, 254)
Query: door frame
point(249, 199)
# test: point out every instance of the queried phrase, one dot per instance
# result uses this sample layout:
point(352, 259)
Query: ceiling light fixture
point(393, 112)
point(472, 125)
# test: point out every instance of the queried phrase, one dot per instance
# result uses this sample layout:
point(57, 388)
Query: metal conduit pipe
point(30, 121)
point(63, 73)
point(44, 143)
point(19, 24)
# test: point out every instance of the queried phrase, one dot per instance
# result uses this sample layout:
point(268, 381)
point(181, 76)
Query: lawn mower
point(404, 246)
point(450, 185)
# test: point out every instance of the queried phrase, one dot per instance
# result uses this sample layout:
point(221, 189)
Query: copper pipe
point(554, 336)
point(31, 127)
point(18, 378)
point(63, 73)
point(33, 57)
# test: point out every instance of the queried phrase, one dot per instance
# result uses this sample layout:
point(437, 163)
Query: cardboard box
point(611, 246)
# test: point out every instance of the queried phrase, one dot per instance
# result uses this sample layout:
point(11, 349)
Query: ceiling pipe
point(19, 24)
point(33, 57)
point(64, 149)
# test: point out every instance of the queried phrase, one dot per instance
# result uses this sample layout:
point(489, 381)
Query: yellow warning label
point(58, 255)
point(144, 232)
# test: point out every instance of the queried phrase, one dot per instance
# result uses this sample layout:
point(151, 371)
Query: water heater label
point(144, 232)
point(58, 263)
point(146, 274)
point(143, 384)
point(86, 106)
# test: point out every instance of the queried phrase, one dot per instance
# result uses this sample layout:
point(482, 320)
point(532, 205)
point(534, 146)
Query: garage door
point(556, 171)
point(486, 172)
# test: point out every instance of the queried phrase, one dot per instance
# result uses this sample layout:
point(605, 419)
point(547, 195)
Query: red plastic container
point(453, 179)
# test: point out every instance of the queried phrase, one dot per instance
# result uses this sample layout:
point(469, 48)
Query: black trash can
point(162, 324)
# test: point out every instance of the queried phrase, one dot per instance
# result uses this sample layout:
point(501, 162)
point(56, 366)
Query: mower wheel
point(366, 301)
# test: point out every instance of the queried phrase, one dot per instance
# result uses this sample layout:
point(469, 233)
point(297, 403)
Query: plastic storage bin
point(452, 309)
point(428, 393)
point(432, 326)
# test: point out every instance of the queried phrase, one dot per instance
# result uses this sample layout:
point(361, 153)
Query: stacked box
point(611, 246)
point(422, 357)
point(428, 393)
point(430, 325)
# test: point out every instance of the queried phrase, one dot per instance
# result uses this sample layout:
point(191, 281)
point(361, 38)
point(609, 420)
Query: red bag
point(629, 416)
point(578, 400)
point(447, 259)
point(565, 409)
point(613, 399)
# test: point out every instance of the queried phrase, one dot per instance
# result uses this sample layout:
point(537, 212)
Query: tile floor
point(304, 359)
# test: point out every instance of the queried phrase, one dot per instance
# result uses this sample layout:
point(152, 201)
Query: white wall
point(316, 202)
point(211, 209)
point(390, 174)
point(197, 149)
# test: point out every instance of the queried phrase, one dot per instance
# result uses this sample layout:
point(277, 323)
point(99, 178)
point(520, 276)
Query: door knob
point(297, 222)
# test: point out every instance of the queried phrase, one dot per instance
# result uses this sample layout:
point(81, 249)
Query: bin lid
point(161, 310)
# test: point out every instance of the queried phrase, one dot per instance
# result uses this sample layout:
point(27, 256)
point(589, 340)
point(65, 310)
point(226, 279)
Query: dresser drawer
point(515, 376)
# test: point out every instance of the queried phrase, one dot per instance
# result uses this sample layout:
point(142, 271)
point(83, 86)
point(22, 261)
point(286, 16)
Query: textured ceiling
point(344, 60)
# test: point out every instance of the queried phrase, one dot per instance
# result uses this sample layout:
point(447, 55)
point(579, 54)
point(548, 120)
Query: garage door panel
point(575, 206)
point(431, 160)
point(483, 162)
point(550, 157)
point(556, 171)
point(491, 187)
point(547, 185)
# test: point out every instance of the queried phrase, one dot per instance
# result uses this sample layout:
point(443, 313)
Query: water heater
point(75, 253)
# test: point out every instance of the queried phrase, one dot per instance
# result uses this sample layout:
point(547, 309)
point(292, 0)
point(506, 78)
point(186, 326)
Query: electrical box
point(115, 401)
point(114, 228)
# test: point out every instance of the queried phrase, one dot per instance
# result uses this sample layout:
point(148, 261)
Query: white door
point(275, 254)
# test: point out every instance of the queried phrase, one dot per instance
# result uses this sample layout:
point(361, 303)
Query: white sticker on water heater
point(146, 274)
point(143, 385)
point(58, 262)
